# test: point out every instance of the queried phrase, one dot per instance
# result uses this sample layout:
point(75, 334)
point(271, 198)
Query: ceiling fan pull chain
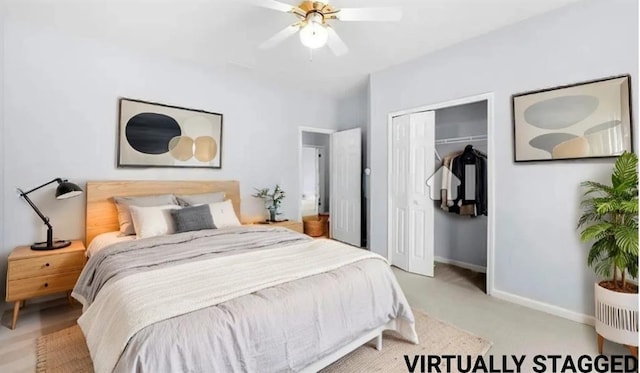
point(310, 54)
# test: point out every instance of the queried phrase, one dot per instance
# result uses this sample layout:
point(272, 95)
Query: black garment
point(476, 158)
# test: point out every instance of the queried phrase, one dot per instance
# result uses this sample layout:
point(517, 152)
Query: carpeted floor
point(65, 351)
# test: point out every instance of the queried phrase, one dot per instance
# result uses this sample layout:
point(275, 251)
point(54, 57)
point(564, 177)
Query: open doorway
point(314, 200)
point(315, 172)
point(330, 169)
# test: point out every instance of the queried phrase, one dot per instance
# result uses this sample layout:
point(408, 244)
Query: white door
point(346, 189)
point(411, 210)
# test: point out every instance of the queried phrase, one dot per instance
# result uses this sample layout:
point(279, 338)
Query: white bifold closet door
point(411, 210)
point(346, 186)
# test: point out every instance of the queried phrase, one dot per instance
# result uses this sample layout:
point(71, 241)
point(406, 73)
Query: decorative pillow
point(194, 218)
point(224, 215)
point(123, 203)
point(152, 221)
point(200, 199)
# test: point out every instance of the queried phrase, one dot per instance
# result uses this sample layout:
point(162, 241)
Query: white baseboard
point(544, 307)
point(460, 264)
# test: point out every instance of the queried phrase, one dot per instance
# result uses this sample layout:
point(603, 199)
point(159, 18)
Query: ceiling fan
point(313, 22)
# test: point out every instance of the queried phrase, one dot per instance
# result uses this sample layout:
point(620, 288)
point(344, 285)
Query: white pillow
point(224, 215)
point(152, 221)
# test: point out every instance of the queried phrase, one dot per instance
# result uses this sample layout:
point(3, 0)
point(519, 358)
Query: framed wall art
point(157, 135)
point(584, 120)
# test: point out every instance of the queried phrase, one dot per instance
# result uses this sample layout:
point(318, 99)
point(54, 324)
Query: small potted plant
point(610, 221)
point(271, 200)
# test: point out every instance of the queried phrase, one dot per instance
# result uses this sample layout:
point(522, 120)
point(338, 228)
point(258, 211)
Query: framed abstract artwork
point(584, 120)
point(157, 135)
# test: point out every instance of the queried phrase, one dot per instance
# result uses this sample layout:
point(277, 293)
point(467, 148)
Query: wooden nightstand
point(291, 224)
point(36, 273)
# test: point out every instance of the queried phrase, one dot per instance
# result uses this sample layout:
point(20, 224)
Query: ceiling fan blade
point(273, 4)
point(369, 14)
point(337, 46)
point(280, 36)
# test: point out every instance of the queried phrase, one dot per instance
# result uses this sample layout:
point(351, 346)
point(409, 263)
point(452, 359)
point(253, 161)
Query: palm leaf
point(603, 268)
point(625, 173)
point(588, 217)
point(599, 250)
point(596, 187)
point(595, 231)
point(630, 206)
point(612, 212)
point(626, 239)
point(606, 207)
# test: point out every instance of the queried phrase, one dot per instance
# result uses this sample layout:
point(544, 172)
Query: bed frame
point(102, 217)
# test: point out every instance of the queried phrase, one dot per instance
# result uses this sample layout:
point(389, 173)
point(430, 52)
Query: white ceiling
point(227, 33)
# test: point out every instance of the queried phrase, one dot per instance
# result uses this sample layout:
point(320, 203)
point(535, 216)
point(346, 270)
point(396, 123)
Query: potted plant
point(271, 200)
point(610, 221)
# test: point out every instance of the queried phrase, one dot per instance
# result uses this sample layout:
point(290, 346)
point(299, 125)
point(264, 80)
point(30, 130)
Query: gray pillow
point(194, 218)
point(200, 199)
point(124, 215)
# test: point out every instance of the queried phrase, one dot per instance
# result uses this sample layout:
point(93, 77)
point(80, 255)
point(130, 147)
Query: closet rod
point(456, 140)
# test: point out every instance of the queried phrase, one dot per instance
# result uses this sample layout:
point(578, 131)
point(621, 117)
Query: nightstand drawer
point(45, 265)
point(43, 285)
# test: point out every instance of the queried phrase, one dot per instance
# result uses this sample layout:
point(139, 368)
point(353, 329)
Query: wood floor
point(18, 346)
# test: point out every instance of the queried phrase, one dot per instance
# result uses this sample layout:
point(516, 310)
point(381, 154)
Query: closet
point(461, 239)
point(427, 228)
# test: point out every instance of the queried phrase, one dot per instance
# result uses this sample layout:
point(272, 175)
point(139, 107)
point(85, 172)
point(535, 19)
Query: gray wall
point(537, 251)
point(461, 238)
point(60, 111)
point(321, 139)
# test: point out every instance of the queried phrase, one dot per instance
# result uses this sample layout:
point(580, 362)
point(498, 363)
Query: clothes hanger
point(468, 153)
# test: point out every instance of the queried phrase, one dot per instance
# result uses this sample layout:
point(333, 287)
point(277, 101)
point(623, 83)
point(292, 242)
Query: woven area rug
point(65, 351)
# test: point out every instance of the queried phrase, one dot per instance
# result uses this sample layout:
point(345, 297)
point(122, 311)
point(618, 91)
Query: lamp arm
point(59, 180)
point(34, 207)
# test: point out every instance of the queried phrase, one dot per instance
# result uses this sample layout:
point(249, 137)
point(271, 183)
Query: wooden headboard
point(102, 215)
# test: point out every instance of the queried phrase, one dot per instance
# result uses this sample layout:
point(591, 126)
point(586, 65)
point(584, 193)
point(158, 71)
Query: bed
point(247, 298)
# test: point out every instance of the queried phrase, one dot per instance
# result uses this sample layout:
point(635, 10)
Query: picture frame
point(158, 135)
point(589, 119)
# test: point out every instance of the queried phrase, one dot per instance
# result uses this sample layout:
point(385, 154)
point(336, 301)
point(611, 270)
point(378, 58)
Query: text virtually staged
point(516, 363)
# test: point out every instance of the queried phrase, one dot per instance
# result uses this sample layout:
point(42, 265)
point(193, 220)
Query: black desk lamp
point(65, 190)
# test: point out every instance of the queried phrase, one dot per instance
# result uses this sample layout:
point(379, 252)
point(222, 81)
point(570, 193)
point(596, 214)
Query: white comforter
point(134, 302)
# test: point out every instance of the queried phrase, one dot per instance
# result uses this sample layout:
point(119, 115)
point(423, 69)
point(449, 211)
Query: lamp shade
point(67, 190)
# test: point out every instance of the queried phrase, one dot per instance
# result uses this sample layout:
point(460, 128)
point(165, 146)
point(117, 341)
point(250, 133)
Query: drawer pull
point(46, 284)
point(46, 265)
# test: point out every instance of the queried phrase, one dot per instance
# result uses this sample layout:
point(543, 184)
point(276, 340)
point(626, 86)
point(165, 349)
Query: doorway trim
point(301, 129)
point(490, 98)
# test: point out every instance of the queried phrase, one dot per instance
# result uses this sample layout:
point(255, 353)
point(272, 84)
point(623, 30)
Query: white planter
point(617, 316)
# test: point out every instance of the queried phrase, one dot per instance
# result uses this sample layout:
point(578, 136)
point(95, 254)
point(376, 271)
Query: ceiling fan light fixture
point(314, 35)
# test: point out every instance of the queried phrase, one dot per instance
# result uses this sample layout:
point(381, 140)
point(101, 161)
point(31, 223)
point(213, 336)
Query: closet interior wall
point(460, 239)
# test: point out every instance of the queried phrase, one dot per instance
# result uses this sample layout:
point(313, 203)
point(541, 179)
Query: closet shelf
point(456, 140)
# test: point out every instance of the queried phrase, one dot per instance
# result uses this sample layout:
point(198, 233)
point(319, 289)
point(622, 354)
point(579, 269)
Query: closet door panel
point(399, 194)
point(421, 206)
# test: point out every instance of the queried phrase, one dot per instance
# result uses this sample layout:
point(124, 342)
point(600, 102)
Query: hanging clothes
point(447, 189)
point(470, 167)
